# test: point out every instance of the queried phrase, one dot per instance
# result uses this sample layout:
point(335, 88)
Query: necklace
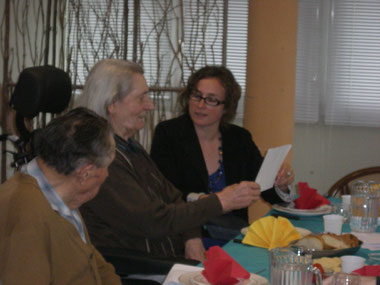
point(214, 179)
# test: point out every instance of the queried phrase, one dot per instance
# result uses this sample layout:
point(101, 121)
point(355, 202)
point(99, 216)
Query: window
point(95, 31)
point(169, 38)
point(338, 62)
point(308, 67)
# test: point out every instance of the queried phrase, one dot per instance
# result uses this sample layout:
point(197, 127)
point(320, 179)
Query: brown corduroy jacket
point(39, 246)
point(137, 208)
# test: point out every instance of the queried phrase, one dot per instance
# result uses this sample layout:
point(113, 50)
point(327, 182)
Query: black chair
point(40, 89)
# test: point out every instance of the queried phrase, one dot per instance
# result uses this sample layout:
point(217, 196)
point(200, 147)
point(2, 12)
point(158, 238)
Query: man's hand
point(194, 249)
point(285, 177)
point(239, 196)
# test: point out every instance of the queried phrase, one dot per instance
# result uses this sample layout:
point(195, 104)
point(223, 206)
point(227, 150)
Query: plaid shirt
point(53, 198)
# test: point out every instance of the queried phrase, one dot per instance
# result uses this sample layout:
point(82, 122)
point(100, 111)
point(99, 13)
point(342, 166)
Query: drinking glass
point(346, 202)
point(364, 206)
point(293, 266)
point(346, 279)
point(343, 210)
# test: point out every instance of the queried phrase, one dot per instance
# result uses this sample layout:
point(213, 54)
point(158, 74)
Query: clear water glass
point(346, 279)
point(364, 206)
point(339, 209)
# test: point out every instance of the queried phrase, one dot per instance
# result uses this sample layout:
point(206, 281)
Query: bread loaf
point(311, 241)
point(333, 241)
point(350, 240)
point(328, 241)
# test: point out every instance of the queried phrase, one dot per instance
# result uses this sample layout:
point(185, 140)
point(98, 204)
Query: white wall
point(324, 154)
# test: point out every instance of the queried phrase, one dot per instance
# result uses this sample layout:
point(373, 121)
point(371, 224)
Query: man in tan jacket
point(43, 239)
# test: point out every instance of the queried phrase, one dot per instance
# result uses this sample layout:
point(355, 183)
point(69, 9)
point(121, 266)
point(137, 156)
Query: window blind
point(237, 43)
point(353, 85)
point(308, 66)
point(338, 62)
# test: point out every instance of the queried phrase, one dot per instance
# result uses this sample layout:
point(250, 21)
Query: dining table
point(257, 260)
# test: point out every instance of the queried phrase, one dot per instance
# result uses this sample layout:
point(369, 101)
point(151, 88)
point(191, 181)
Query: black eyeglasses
point(211, 101)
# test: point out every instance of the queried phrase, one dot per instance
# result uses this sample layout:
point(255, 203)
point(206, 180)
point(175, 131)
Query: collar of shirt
point(55, 201)
point(126, 145)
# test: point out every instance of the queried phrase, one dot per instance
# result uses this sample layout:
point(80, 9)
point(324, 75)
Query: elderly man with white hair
point(137, 207)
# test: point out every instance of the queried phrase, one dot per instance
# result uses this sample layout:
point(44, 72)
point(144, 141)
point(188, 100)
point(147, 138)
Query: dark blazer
point(177, 152)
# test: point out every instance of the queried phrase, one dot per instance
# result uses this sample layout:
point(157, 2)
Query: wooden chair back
point(342, 186)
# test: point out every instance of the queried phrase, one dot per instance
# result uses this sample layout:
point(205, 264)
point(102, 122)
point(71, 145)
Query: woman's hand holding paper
point(285, 177)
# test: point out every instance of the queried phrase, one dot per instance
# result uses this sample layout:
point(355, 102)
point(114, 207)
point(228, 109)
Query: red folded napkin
point(309, 198)
point(369, 270)
point(222, 269)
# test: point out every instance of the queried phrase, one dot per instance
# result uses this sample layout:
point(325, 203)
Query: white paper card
point(271, 165)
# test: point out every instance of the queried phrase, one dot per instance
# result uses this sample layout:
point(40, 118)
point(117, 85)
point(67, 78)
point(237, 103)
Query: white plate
point(187, 278)
point(325, 209)
point(303, 232)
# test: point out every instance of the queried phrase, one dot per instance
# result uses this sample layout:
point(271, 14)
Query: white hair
point(108, 81)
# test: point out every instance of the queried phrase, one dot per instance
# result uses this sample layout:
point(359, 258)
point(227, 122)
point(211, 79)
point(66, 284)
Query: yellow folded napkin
point(270, 232)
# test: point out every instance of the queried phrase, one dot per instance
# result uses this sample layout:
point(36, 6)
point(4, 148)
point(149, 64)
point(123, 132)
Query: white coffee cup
point(333, 223)
point(346, 202)
point(351, 263)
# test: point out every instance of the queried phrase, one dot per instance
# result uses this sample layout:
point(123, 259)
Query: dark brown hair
point(226, 79)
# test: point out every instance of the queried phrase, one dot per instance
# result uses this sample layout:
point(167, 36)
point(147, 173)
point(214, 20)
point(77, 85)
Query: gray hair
point(109, 80)
point(75, 139)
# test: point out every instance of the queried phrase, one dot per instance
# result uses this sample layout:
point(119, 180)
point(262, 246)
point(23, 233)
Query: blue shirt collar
point(55, 201)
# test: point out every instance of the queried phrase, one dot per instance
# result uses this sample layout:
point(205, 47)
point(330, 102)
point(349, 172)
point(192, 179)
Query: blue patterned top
point(217, 180)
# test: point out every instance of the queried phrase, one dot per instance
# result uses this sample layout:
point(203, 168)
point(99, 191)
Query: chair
point(342, 186)
point(39, 89)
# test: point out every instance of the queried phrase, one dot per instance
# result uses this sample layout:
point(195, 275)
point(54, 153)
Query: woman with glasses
point(201, 152)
